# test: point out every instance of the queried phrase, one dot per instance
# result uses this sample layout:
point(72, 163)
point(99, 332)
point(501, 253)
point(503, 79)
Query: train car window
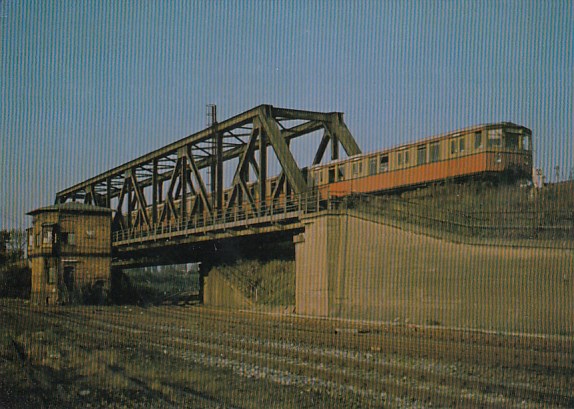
point(453, 146)
point(372, 166)
point(526, 142)
point(315, 179)
point(421, 155)
point(331, 175)
point(357, 168)
point(477, 140)
point(511, 141)
point(406, 157)
point(494, 138)
point(434, 152)
point(340, 172)
point(384, 163)
point(273, 186)
point(461, 145)
point(400, 159)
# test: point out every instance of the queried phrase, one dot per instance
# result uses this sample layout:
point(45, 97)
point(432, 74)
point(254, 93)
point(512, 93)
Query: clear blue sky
point(88, 85)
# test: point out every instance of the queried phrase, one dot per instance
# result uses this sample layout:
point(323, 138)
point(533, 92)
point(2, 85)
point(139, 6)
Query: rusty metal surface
point(182, 184)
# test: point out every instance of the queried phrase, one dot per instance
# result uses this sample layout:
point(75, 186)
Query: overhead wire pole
point(216, 168)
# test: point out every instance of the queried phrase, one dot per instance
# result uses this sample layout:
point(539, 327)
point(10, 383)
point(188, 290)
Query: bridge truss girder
point(168, 185)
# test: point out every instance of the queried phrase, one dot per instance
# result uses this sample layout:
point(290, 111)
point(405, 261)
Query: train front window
point(526, 142)
point(421, 155)
point(511, 141)
point(494, 138)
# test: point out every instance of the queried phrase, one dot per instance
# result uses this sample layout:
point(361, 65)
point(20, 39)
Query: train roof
point(457, 132)
point(468, 129)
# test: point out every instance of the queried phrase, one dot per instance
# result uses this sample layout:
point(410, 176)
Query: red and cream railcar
point(492, 149)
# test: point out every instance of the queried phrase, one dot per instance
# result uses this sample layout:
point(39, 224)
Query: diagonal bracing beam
point(284, 155)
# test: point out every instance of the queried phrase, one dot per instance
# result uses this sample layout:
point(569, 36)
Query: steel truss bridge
point(179, 191)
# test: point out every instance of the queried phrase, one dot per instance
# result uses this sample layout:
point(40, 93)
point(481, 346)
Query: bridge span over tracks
point(215, 185)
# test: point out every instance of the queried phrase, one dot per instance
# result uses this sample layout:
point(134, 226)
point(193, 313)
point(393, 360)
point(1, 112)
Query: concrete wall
point(219, 292)
point(353, 268)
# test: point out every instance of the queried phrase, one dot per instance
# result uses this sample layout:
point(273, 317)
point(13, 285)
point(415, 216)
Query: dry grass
point(482, 210)
point(268, 283)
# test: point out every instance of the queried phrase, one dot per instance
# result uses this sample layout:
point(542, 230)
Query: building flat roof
point(71, 207)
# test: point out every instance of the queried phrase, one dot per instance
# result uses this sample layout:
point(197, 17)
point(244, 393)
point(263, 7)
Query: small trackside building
point(69, 250)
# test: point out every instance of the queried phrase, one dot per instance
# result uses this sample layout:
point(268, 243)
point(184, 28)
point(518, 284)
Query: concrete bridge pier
point(358, 266)
point(319, 265)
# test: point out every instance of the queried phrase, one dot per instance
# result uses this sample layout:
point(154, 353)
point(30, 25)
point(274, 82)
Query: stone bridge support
point(359, 266)
point(319, 265)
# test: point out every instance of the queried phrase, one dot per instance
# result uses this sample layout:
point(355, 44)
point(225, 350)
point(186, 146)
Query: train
point(496, 151)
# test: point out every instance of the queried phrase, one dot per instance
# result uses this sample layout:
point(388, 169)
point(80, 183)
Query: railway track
point(356, 364)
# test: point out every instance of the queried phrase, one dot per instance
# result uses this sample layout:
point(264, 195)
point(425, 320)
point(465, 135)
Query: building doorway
point(69, 279)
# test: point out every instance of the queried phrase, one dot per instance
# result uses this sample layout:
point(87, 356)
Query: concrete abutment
point(349, 266)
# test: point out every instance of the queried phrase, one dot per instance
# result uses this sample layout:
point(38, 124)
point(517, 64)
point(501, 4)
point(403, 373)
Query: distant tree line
point(12, 246)
point(15, 275)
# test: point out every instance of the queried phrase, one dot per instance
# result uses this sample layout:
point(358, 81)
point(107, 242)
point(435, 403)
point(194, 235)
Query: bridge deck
point(231, 223)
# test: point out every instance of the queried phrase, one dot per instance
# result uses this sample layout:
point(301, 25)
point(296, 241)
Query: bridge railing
point(291, 206)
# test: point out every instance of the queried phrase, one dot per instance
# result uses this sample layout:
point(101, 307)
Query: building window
point(434, 152)
point(384, 163)
point(68, 238)
point(372, 166)
point(30, 239)
point(421, 155)
point(47, 235)
point(494, 138)
point(50, 272)
point(38, 240)
point(461, 145)
point(52, 275)
point(477, 140)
